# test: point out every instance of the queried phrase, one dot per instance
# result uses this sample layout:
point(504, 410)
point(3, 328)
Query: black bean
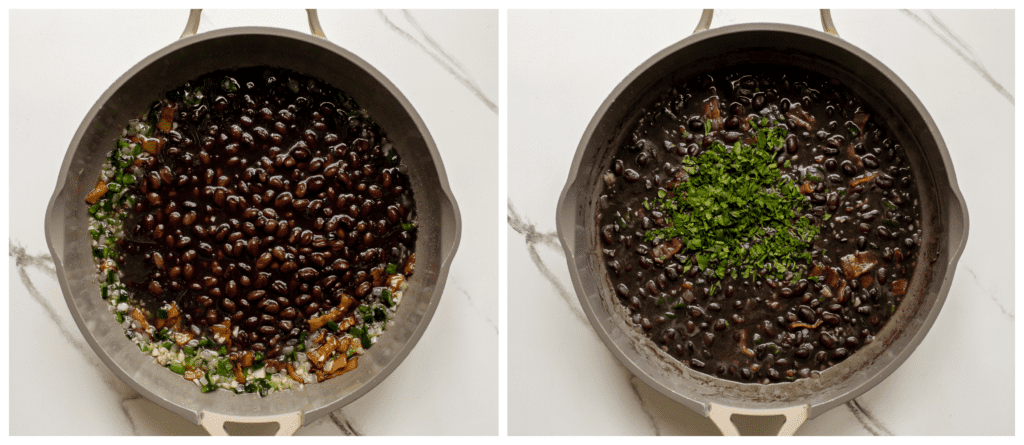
point(631, 175)
point(807, 314)
point(870, 161)
point(696, 124)
point(827, 340)
point(848, 168)
point(792, 144)
point(884, 233)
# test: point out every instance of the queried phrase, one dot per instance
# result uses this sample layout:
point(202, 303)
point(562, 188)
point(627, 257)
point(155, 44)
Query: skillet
point(943, 210)
point(190, 57)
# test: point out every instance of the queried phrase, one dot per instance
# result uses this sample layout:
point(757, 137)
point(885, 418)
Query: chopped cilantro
point(736, 213)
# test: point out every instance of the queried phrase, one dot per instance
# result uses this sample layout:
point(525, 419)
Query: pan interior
point(189, 59)
point(890, 100)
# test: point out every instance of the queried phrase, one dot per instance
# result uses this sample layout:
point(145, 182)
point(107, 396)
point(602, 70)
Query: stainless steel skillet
point(189, 58)
point(944, 219)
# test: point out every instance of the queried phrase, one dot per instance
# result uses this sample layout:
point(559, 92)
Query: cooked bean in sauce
point(760, 224)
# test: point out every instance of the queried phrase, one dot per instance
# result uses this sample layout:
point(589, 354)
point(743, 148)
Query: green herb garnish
point(736, 212)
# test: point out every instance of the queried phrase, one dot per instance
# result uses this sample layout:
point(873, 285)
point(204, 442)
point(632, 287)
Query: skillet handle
point(193, 24)
point(287, 423)
point(826, 22)
point(722, 417)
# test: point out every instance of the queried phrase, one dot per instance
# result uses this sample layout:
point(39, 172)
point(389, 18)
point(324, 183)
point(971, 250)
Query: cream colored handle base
point(287, 423)
point(722, 416)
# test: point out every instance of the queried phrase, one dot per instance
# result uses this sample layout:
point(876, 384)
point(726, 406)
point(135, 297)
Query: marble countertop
point(562, 65)
point(445, 62)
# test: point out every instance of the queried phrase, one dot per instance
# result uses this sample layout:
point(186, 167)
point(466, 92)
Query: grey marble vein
point(865, 418)
point(436, 52)
point(124, 408)
point(459, 288)
point(22, 261)
point(959, 47)
point(343, 424)
point(532, 238)
point(991, 294)
point(633, 382)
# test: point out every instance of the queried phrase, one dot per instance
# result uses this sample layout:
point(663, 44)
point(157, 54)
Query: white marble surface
point(445, 62)
point(561, 377)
